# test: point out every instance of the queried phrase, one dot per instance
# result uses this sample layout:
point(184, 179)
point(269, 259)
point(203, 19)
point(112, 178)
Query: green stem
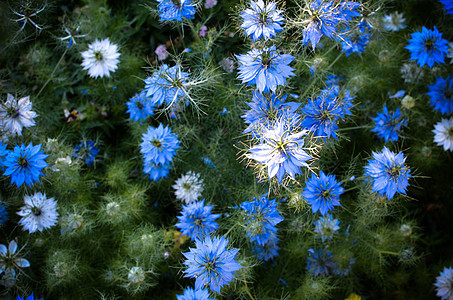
point(53, 72)
point(248, 292)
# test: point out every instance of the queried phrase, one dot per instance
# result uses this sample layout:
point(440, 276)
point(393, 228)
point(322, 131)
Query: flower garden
point(205, 149)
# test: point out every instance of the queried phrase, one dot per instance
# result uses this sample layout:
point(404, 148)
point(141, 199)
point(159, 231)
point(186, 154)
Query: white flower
point(38, 213)
point(210, 3)
point(444, 134)
point(101, 58)
point(411, 73)
point(394, 22)
point(136, 275)
point(227, 64)
point(9, 262)
point(16, 114)
point(189, 187)
point(161, 52)
point(61, 162)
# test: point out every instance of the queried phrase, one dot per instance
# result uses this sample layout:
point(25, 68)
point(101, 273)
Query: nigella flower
point(262, 217)
point(210, 3)
point(444, 284)
point(326, 227)
point(441, 94)
point(281, 151)
point(10, 263)
point(411, 73)
point(25, 163)
point(443, 131)
point(343, 263)
point(320, 262)
point(266, 110)
point(353, 42)
point(101, 58)
point(3, 214)
point(266, 68)
point(189, 187)
point(267, 251)
point(343, 98)
point(140, 107)
point(394, 22)
point(38, 213)
point(389, 173)
point(159, 145)
point(448, 5)
point(156, 171)
point(322, 114)
point(85, 151)
point(324, 17)
point(388, 125)
point(3, 152)
point(211, 263)
point(262, 21)
point(323, 193)
point(166, 84)
point(175, 9)
point(191, 294)
point(16, 114)
point(197, 221)
point(28, 298)
point(427, 47)
point(161, 52)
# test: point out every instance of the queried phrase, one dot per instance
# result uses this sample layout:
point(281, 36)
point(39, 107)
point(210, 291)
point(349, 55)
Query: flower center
point(450, 132)
point(210, 266)
point(263, 19)
point(429, 43)
point(139, 104)
point(326, 194)
point(186, 186)
point(22, 161)
point(36, 211)
point(13, 112)
point(177, 3)
point(197, 222)
point(177, 83)
point(98, 55)
point(394, 171)
point(156, 143)
point(266, 59)
point(448, 93)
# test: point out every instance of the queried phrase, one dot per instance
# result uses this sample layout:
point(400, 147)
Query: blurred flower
point(326, 227)
point(448, 5)
point(175, 9)
point(427, 47)
point(267, 251)
point(394, 22)
point(203, 31)
point(25, 163)
point(450, 51)
point(28, 298)
point(444, 284)
point(411, 73)
point(85, 151)
point(140, 107)
point(211, 263)
point(191, 294)
point(38, 213)
point(3, 214)
point(388, 125)
point(281, 151)
point(322, 193)
point(156, 171)
point(319, 262)
point(408, 102)
point(10, 263)
point(262, 217)
point(266, 68)
point(3, 153)
point(210, 3)
point(161, 52)
point(227, 64)
point(101, 58)
point(197, 221)
point(353, 42)
point(443, 131)
point(188, 187)
point(159, 145)
point(262, 21)
point(441, 94)
point(136, 275)
point(16, 114)
point(388, 172)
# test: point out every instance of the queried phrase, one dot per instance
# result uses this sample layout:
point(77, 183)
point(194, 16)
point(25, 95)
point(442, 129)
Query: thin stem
point(248, 292)
point(53, 72)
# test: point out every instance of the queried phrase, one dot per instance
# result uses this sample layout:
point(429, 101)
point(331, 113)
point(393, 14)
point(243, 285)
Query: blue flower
point(262, 21)
point(139, 107)
point(266, 110)
point(388, 125)
point(197, 221)
point(25, 163)
point(326, 227)
point(211, 263)
point(268, 251)
point(262, 217)
point(320, 262)
point(175, 9)
point(3, 152)
point(156, 171)
point(428, 47)
point(166, 84)
point(265, 68)
point(86, 151)
point(444, 284)
point(343, 263)
point(159, 145)
point(324, 17)
point(388, 172)
point(28, 298)
point(281, 151)
point(323, 113)
point(448, 5)
point(3, 214)
point(441, 94)
point(191, 294)
point(354, 42)
point(322, 193)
